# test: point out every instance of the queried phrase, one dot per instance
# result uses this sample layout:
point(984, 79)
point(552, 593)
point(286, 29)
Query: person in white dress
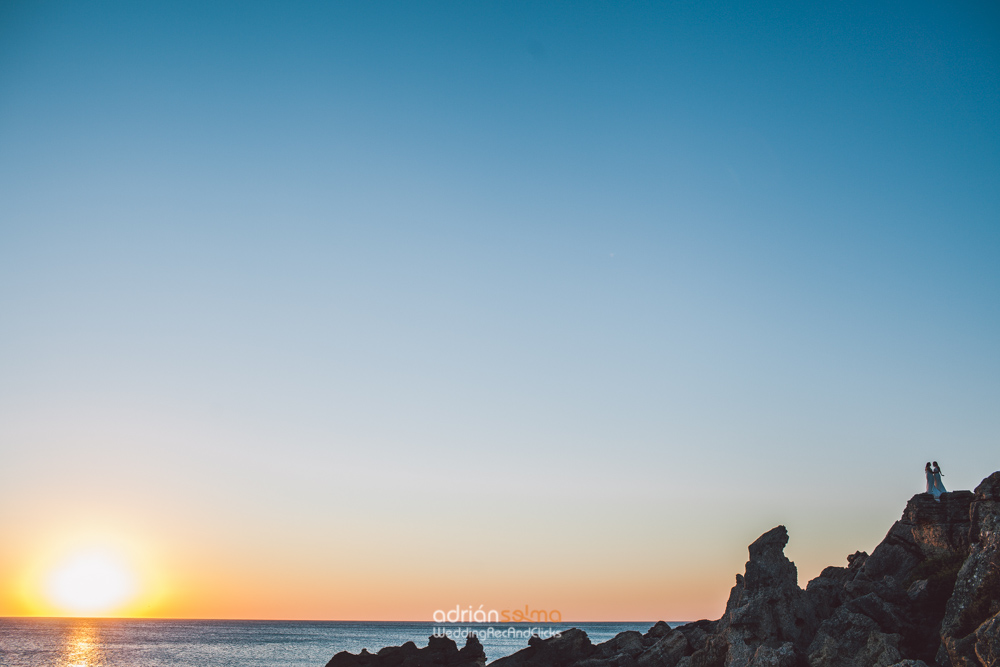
point(938, 484)
point(929, 474)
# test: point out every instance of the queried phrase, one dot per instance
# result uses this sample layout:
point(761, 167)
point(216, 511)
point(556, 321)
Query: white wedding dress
point(938, 484)
point(932, 485)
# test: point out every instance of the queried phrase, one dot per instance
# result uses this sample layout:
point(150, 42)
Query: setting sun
point(91, 582)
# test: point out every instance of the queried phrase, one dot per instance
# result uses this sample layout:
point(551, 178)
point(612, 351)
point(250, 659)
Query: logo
point(470, 615)
point(487, 616)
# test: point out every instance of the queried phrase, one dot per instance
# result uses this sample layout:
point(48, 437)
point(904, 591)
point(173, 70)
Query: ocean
point(75, 642)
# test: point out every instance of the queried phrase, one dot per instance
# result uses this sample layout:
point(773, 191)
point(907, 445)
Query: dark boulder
point(620, 651)
point(852, 639)
point(785, 655)
point(439, 652)
point(668, 649)
point(562, 650)
point(698, 632)
point(666, 653)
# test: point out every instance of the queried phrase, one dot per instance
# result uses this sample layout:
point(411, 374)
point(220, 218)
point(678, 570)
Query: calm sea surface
point(73, 642)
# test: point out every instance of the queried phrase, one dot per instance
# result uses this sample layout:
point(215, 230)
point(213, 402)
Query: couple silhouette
point(935, 486)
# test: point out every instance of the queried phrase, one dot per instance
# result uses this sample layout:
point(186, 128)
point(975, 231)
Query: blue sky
point(738, 263)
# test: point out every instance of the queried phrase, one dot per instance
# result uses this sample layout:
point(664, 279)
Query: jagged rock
point(439, 652)
point(766, 606)
point(856, 560)
point(988, 642)
point(850, 639)
point(629, 642)
point(896, 555)
point(870, 618)
point(668, 650)
point(931, 539)
point(659, 647)
point(620, 650)
point(927, 529)
point(782, 656)
point(768, 567)
point(885, 614)
point(567, 648)
point(696, 633)
point(828, 591)
point(939, 527)
point(713, 654)
point(659, 629)
point(917, 592)
point(910, 663)
point(976, 596)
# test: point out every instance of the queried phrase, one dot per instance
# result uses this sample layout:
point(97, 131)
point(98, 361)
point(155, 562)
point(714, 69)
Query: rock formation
point(661, 645)
point(767, 613)
point(928, 595)
point(439, 652)
point(970, 630)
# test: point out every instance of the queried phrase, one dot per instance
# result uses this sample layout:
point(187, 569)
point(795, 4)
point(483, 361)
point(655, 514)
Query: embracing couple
point(934, 484)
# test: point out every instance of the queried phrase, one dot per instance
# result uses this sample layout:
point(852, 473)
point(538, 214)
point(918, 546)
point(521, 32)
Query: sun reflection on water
point(82, 648)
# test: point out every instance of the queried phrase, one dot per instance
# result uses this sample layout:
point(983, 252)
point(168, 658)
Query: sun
point(92, 582)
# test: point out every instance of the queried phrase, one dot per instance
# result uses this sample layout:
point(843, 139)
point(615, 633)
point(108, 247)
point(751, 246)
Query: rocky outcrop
point(439, 652)
point(853, 639)
point(970, 631)
point(939, 527)
point(668, 649)
point(768, 618)
point(927, 529)
point(927, 596)
point(568, 648)
point(888, 606)
point(659, 647)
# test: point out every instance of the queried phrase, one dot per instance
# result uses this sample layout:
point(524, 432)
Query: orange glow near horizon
point(121, 569)
point(103, 581)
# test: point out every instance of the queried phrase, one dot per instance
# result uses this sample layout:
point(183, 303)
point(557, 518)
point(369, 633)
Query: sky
point(364, 310)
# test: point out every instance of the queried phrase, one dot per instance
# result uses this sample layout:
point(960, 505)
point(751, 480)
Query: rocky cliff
point(929, 594)
point(439, 652)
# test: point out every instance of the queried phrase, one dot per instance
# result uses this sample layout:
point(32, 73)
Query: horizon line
point(311, 620)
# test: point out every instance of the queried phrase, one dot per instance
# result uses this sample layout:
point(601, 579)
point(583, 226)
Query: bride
point(938, 484)
point(935, 486)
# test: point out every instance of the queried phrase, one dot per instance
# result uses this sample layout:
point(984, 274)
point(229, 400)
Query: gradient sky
point(362, 310)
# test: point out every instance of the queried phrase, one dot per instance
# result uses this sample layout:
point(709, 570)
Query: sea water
point(74, 642)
